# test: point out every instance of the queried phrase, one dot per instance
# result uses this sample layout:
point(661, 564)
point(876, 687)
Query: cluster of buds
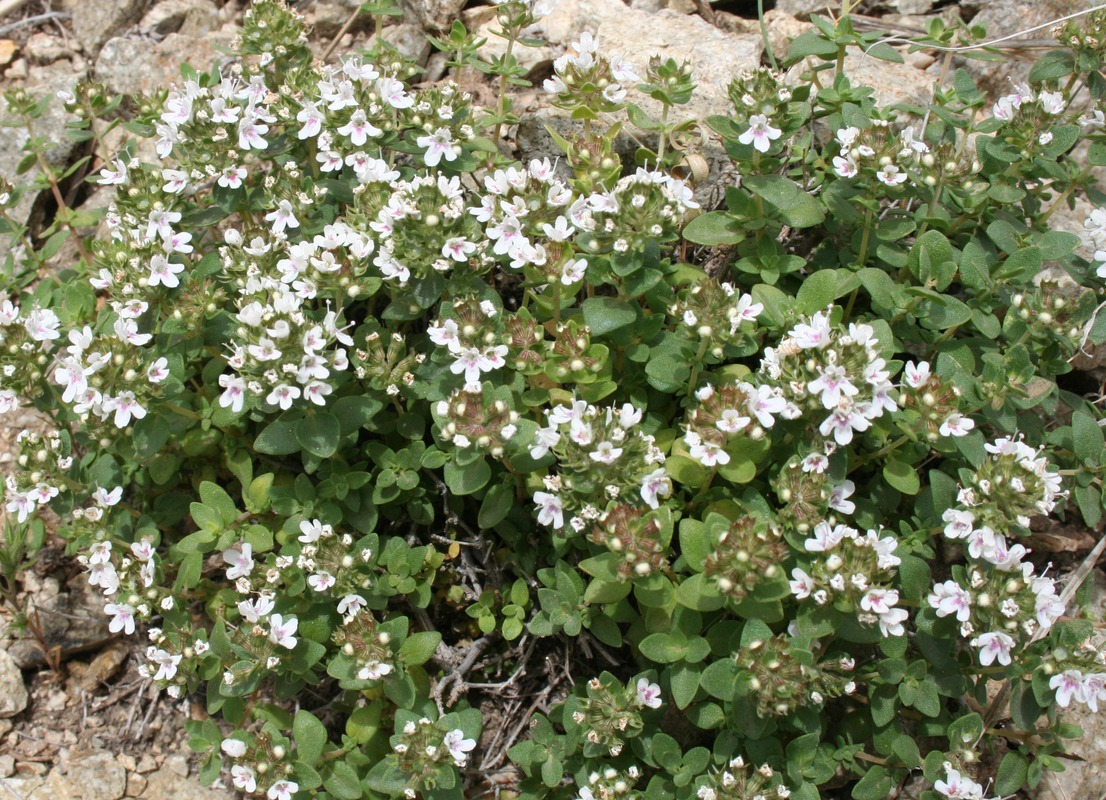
point(1087, 37)
point(525, 340)
point(25, 337)
point(891, 158)
point(760, 98)
point(854, 573)
point(747, 553)
point(634, 536)
point(781, 681)
point(261, 764)
point(172, 660)
point(727, 415)
point(998, 610)
point(718, 315)
point(477, 419)
point(586, 81)
point(936, 402)
point(360, 640)
point(44, 463)
point(668, 81)
point(533, 217)
point(388, 369)
point(605, 460)
point(333, 564)
point(1053, 316)
point(807, 493)
point(737, 781)
point(423, 749)
point(1012, 485)
point(822, 368)
point(572, 358)
point(611, 713)
point(515, 16)
point(611, 784)
point(423, 229)
point(472, 336)
point(644, 208)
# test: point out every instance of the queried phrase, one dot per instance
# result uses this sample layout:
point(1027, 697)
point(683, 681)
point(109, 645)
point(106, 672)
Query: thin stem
point(501, 100)
point(864, 238)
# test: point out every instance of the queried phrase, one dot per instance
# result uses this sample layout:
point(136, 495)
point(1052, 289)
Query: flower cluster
point(604, 459)
point(893, 159)
point(730, 413)
point(855, 572)
point(736, 781)
point(260, 765)
point(749, 551)
point(476, 419)
point(718, 315)
point(760, 98)
point(936, 402)
point(782, 682)
point(584, 79)
point(43, 462)
point(423, 747)
point(634, 536)
point(820, 367)
point(611, 784)
point(610, 713)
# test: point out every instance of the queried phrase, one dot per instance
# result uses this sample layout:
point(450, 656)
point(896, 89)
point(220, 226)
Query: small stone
point(94, 23)
point(189, 17)
point(42, 48)
point(8, 49)
point(128, 65)
point(5, 728)
point(103, 667)
point(18, 70)
point(127, 761)
point(7, 766)
point(94, 775)
point(177, 764)
point(409, 40)
point(166, 785)
point(147, 763)
point(13, 692)
point(136, 785)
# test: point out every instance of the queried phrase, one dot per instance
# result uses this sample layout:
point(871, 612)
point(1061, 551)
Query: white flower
point(648, 694)
point(321, 581)
point(374, 671)
point(915, 375)
point(122, 617)
point(655, 485)
point(1068, 685)
point(235, 748)
point(760, 133)
point(891, 175)
point(951, 598)
point(239, 560)
point(839, 497)
point(351, 604)
point(282, 217)
point(801, 584)
point(993, 646)
point(281, 630)
point(957, 786)
point(550, 509)
point(956, 424)
point(458, 746)
point(438, 145)
point(243, 778)
point(282, 790)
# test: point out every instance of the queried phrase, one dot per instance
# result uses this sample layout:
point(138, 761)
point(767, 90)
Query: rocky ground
point(79, 723)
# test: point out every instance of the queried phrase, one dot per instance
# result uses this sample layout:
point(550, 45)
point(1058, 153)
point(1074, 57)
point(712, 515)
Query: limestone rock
point(804, 8)
point(1004, 17)
point(408, 39)
point(42, 48)
point(72, 621)
point(94, 775)
point(13, 692)
point(96, 22)
point(129, 65)
point(432, 15)
point(187, 17)
point(165, 784)
point(8, 49)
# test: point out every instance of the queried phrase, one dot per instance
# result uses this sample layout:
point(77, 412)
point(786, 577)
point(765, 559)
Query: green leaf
point(875, 785)
point(1052, 66)
point(605, 315)
point(215, 497)
point(684, 681)
point(714, 228)
point(902, 476)
point(468, 479)
point(277, 439)
point(1013, 774)
point(662, 648)
point(310, 736)
point(720, 679)
point(319, 434)
point(496, 505)
point(818, 291)
point(342, 782)
point(207, 518)
point(795, 206)
point(419, 647)
point(1088, 438)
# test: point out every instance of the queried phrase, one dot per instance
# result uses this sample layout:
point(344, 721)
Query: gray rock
point(42, 48)
point(96, 22)
point(73, 621)
point(329, 16)
point(804, 8)
point(913, 6)
point(1003, 17)
point(432, 15)
point(13, 692)
point(127, 65)
point(408, 39)
point(166, 784)
point(187, 17)
point(94, 775)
